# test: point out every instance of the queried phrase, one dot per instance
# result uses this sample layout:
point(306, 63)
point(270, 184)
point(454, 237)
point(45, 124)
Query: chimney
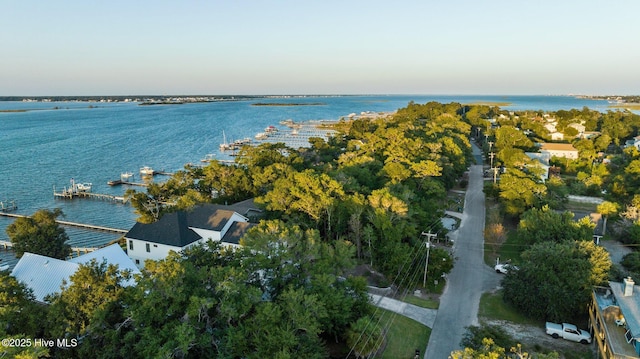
point(628, 287)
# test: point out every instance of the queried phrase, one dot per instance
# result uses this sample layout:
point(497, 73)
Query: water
point(95, 142)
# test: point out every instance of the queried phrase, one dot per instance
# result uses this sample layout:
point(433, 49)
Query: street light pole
point(426, 261)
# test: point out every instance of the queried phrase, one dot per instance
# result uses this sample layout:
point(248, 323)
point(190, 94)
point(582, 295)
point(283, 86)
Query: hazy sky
point(117, 47)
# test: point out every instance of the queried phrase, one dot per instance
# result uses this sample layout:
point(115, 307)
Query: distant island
point(288, 104)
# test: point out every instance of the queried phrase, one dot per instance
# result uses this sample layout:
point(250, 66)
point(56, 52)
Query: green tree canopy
point(554, 279)
point(544, 225)
point(39, 234)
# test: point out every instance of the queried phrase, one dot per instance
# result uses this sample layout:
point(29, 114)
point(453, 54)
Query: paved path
point(461, 298)
point(421, 315)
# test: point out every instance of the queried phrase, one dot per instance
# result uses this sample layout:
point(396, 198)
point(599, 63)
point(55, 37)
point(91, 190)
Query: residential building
point(563, 150)
point(46, 275)
point(540, 160)
point(614, 320)
point(180, 230)
point(557, 136)
point(635, 142)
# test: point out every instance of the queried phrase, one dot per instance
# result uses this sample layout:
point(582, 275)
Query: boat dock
point(127, 183)
point(73, 224)
point(71, 194)
point(7, 245)
point(8, 206)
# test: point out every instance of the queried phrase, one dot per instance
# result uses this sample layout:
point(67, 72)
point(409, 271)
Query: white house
point(540, 160)
point(635, 142)
point(45, 275)
point(564, 150)
point(557, 136)
point(179, 230)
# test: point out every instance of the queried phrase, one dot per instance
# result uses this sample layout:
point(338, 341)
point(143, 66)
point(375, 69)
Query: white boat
point(84, 187)
point(147, 171)
point(261, 136)
point(125, 176)
point(271, 129)
point(224, 145)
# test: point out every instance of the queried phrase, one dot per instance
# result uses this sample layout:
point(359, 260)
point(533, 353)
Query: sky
point(215, 47)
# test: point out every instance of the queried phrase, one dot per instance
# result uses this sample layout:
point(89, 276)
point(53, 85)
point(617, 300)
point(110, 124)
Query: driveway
point(469, 278)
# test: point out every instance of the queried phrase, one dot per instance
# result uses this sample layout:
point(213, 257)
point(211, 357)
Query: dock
point(73, 224)
point(70, 194)
point(7, 245)
point(8, 206)
point(126, 183)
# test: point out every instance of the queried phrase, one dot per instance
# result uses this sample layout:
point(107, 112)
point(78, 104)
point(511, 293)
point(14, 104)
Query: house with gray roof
point(614, 319)
point(180, 230)
point(46, 275)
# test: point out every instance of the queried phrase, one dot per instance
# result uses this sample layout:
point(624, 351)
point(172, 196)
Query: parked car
point(503, 268)
point(569, 332)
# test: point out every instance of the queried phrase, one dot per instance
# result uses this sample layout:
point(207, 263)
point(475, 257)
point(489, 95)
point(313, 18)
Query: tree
point(606, 209)
point(364, 337)
point(545, 224)
point(39, 234)
point(554, 280)
point(518, 192)
point(95, 290)
point(19, 314)
point(490, 350)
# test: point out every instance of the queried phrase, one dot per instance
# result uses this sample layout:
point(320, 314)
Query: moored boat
point(84, 187)
point(147, 171)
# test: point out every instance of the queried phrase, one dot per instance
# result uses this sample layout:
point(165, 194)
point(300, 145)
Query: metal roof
point(112, 254)
point(45, 275)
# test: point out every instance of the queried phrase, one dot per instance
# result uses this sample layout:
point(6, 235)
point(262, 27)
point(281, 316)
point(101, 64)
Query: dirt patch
point(534, 338)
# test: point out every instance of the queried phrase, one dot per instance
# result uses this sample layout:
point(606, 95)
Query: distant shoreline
point(491, 103)
point(288, 104)
point(626, 105)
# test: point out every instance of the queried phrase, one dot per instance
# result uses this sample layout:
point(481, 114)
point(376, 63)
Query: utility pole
point(491, 154)
point(495, 174)
point(426, 261)
point(490, 145)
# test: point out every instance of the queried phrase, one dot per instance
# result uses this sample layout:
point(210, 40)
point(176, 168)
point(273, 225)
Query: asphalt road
point(469, 277)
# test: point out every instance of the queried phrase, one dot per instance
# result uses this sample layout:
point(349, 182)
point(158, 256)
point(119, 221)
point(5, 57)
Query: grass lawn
point(404, 336)
point(424, 303)
point(492, 306)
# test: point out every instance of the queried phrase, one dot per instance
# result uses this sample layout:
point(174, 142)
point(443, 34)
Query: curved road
point(469, 277)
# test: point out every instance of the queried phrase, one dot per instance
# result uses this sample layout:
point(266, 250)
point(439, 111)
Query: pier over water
point(73, 224)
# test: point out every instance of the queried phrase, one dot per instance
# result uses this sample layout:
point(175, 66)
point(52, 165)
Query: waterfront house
point(614, 320)
point(563, 150)
point(45, 275)
point(180, 230)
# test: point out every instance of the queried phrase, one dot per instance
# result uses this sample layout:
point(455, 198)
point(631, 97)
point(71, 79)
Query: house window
point(148, 248)
point(130, 245)
point(137, 261)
